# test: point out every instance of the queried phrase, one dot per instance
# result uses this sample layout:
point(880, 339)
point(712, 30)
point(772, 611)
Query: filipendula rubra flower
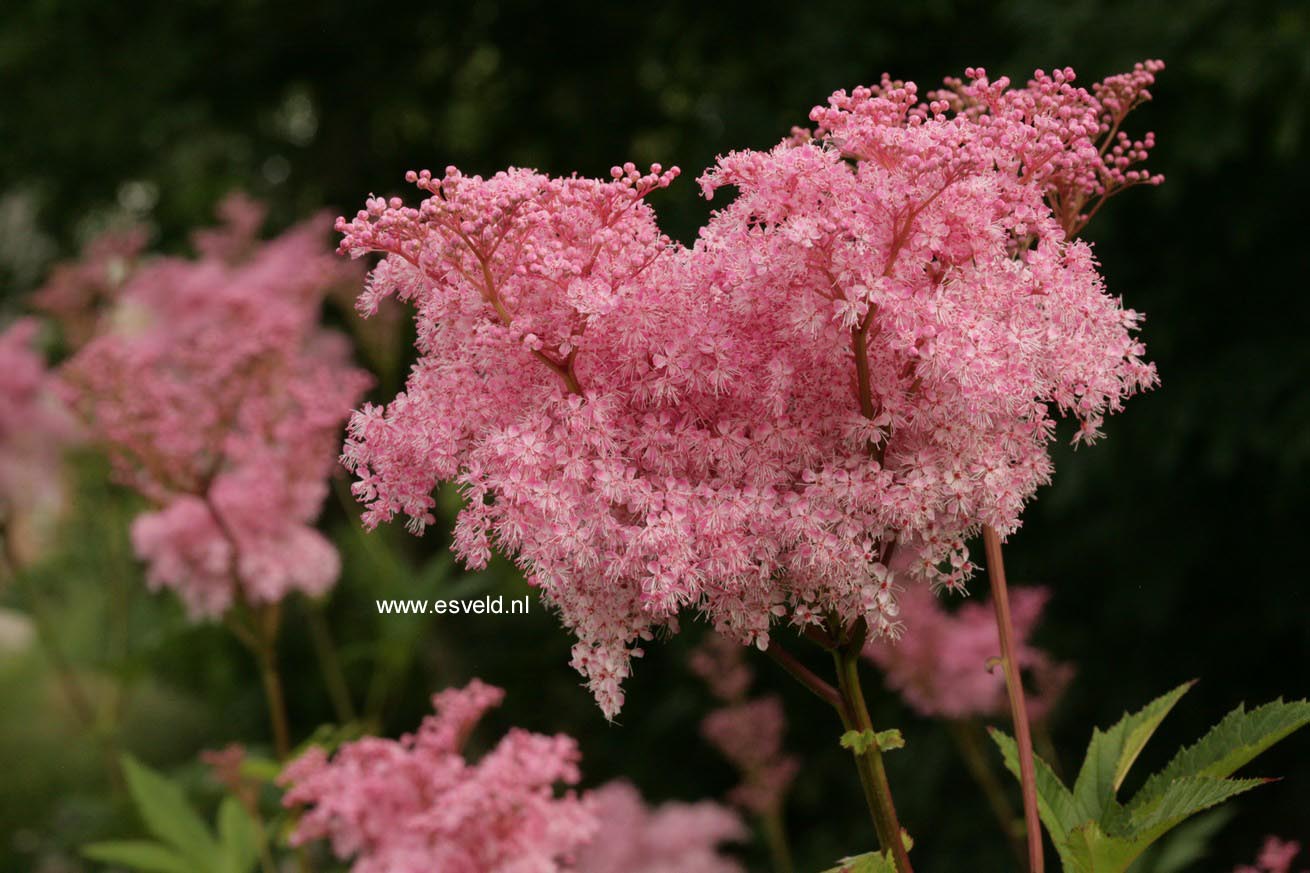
point(416, 805)
point(865, 351)
point(220, 398)
point(942, 666)
point(669, 838)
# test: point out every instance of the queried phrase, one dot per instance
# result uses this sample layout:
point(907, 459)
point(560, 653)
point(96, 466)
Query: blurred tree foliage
point(1172, 547)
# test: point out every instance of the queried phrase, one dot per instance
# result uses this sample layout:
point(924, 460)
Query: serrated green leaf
point(1093, 849)
point(869, 862)
point(1111, 754)
point(857, 741)
point(1238, 738)
point(143, 855)
point(1181, 799)
point(1059, 811)
point(167, 815)
point(1089, 850)
point(238, 837)
point(889, 739)
point(1185, 845)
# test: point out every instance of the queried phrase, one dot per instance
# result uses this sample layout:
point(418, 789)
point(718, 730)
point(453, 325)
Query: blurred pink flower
point(942, 664)
point(747, 732)
point(35, 430)
point(669, 838)
point(77, 292)
point(416, 805)
point(749, 735)
point(1276, 856)
point(220, 398)
point(721, 664)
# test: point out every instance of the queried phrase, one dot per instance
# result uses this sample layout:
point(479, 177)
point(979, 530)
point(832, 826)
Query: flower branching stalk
point(847, 698)
point(257, 627)
point(1014, 691)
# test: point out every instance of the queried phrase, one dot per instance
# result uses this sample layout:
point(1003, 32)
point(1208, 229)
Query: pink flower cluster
point(416, 805)
point(221, 398)
point(1276, 856)
point(748, 732)
point(865, 350)
point(669, 838)
point(77, 292)
point(34, 431)
point(943, 664)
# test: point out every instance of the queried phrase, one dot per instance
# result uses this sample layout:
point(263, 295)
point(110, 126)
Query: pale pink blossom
point(220, 398)
point(669, 838)
point(35, 431)
point(945, 663)
point(417, 805)
point(866, 350)
point(77, 292)
point(1276, 856)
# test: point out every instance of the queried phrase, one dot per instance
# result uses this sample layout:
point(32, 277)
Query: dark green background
point(1176, 547)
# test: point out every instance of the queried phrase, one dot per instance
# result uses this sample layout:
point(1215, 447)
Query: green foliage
point(860, 742)
point(869, 862)
point(185, 844)
point(1185, 845)
point(1094, 833)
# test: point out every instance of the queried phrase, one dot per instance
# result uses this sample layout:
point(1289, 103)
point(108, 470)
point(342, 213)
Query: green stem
point(79, 701)
point(265, 650)
point(869, 764)
point(334, 677)
point(775, 836)
point(1014, 690)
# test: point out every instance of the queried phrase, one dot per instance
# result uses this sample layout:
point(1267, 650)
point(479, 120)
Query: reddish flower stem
point(1014, 689)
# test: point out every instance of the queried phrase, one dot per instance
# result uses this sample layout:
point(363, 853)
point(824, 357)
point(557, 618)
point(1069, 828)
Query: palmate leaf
point(1094, 848)
point(1094, 833)
point(1059, 811)
point(239, 837)
point(168, 815)
point(1240, 737)
point(1111, 754)
point(1185, 845)
point(142, 855)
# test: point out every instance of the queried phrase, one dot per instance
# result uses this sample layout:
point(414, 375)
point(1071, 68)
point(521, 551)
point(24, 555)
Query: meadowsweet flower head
point(220, 398)
point(35, 429)
point(864, 352)
point(942, 665)
point(670, 838)
point(416, 805)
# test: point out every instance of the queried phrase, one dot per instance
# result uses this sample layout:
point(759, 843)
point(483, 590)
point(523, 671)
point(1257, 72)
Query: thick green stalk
point(873, 775)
